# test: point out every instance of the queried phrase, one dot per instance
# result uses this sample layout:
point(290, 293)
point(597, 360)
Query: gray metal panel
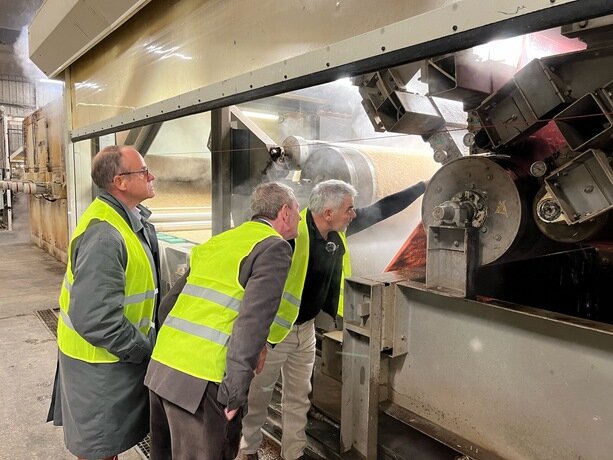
point(18, 111)
point(362, 361)
point(221, 189)
point(17, 91)
point(62, 31)
point(521, 384)
point(584, 186)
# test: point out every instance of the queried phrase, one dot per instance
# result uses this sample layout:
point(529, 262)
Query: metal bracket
point(451, 258)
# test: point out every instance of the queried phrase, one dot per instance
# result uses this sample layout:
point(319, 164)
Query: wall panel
point(172, 47)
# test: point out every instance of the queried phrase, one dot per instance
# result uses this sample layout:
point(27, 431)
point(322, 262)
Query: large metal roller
point(375, 171)
point(484, 192)
point(326, 161)
point(546, 214)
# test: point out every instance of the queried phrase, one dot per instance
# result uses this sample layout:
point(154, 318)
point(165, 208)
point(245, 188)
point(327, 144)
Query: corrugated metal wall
point(20, 97)
point(15, 134)
point(17, 95)
point(48, 91)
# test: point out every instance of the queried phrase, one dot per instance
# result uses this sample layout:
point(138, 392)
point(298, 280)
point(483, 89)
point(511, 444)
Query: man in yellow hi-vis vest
point(320, 265)
point(107, 303)
point(214, 336)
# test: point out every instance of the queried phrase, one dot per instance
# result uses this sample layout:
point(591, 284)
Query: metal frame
point(5, 173)
point(363, 363)
point(69, 160)
point(517, 381)
point(221, 171)
point(374, 331)
point(460, 25)
point(490, 380)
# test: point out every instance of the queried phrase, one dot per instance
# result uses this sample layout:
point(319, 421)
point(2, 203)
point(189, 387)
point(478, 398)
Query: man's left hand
point(230, 413)
point(261, 360)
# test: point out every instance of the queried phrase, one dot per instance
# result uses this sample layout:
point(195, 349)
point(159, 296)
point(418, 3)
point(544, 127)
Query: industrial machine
point(504, 340)
point(485, 331)
point(501, 346)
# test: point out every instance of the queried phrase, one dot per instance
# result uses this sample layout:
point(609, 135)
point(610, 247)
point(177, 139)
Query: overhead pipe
point(24, 187)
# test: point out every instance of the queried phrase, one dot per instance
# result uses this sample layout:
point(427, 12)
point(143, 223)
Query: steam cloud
point(21, 50)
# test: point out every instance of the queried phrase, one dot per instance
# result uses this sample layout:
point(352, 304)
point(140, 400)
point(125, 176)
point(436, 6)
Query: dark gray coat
point(104, 408)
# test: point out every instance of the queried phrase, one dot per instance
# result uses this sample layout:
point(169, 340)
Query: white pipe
point(25, 187)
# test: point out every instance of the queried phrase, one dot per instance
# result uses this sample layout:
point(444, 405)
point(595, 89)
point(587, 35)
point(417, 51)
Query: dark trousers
point(206, 435)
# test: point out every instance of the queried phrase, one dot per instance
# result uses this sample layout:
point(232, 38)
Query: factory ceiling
point(15, 15)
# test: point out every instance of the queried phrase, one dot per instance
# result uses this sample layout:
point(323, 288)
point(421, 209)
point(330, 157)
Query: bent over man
point(107, 305)
point(214, 337)
point(320, 265)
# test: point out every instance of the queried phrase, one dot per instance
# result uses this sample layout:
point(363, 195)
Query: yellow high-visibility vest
point(345, 273)
point(194, 338)
point(300, 261)
point(139, 291)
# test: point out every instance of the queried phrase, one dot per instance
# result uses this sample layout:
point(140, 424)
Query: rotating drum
point(327, 161)
point(599, 227)
point(506, 201)
point(374, 171)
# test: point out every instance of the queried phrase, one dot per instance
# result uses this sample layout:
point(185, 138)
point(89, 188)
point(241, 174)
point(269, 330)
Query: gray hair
point(330, 194)
point(267, 199)
point(106, 165)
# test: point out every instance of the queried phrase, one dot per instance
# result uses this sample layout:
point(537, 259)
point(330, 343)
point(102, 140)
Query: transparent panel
point(326, 133)
point(178, 156)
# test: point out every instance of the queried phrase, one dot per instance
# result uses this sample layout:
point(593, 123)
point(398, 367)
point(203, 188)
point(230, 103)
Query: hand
point(230, 413)
point(261, 360)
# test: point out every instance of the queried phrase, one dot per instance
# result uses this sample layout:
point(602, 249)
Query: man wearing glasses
point(107, 303)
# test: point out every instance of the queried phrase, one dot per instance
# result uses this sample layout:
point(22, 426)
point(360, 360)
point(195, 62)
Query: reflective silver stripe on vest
point(212, 295)
point(66, 320)
point(295, 301)
point(292, 299)
point(145, 322)
point(67, 284)
point(282, 322)
point(142, 323)
point(197, 330)
point(138, 298)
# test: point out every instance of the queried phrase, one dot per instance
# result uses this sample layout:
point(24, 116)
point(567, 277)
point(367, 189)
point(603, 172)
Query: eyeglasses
point(331, 247)
point(143, 172)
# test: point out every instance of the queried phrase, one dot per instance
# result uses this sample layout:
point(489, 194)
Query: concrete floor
point(29, 281)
